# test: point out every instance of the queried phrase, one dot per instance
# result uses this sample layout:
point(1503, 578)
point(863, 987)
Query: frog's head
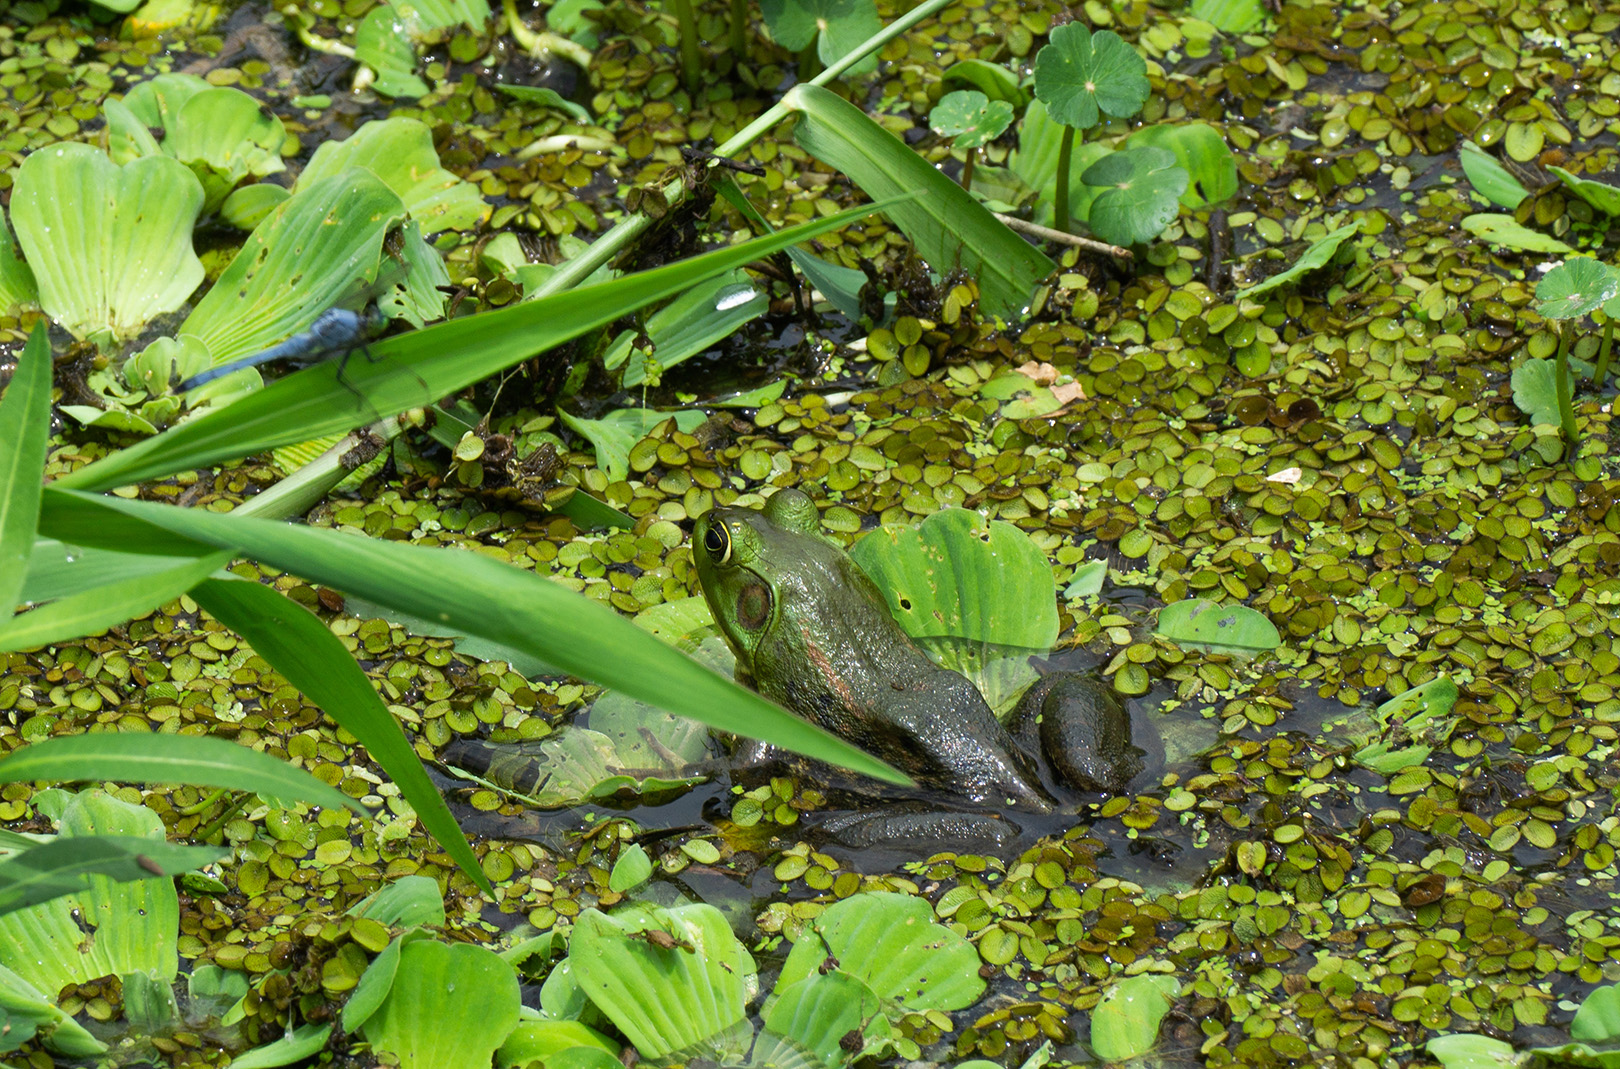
point(750, 560)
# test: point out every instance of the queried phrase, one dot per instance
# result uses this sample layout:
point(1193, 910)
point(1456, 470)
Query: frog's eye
point(717, 542)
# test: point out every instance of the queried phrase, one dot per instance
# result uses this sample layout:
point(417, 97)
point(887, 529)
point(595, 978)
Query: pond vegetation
point(1255, 360)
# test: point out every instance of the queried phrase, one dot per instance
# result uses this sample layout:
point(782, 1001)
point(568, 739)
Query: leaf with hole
point(970, 117)
point(977, 593)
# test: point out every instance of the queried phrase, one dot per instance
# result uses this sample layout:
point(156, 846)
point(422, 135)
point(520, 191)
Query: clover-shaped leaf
point(1579, 286)
point(970, 117)
point(1080, 74)
point(1147, 184)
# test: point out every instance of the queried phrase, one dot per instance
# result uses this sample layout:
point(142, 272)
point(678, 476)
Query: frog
point(812, 632)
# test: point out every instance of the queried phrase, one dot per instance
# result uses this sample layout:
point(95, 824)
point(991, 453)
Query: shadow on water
point(870, 828)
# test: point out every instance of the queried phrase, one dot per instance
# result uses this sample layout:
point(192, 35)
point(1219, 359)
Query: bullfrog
point(813, 633)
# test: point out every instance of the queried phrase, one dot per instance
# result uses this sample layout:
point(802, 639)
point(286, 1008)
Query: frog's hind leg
point(922, 832)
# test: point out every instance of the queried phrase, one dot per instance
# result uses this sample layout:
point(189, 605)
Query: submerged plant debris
point(1341, 454)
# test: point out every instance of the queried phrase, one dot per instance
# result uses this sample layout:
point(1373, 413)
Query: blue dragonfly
point(336, 332)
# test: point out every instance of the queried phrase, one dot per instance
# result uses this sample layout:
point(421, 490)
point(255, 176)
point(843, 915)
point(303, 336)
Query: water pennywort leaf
point(1579, 286)
point(1081, 76)
point(1143, 195)
point(1202, 152)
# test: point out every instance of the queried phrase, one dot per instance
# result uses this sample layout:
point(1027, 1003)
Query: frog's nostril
point(905, 603)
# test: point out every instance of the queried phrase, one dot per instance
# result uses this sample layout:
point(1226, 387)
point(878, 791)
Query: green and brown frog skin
point(813, 633)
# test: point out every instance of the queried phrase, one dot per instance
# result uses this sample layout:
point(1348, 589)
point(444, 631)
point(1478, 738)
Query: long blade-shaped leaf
point(57, 570)
point(61, 867)
point(950, 229)
point(198, 760)
point(472, 593)
point(25, 424)
point(301, 648)
point(413, 369)
point(96, 610)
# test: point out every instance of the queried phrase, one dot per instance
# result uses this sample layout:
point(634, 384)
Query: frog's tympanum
point(814, 634)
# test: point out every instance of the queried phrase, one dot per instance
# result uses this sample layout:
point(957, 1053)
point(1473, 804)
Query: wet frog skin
point(813, 633)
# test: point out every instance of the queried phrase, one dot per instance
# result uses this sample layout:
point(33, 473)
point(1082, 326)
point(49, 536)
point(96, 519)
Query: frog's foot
point(922, 832)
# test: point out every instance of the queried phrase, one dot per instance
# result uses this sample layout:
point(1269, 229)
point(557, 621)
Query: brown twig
point(1046, 233)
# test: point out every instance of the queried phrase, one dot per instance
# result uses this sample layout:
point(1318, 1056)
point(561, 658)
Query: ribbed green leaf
point(109, 246)
point(448, 1006)
point(198, 760)
point(105, 926)
point(890, 942)
point(665, 997)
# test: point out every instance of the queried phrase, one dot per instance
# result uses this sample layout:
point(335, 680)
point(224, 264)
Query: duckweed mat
point(1343, 456)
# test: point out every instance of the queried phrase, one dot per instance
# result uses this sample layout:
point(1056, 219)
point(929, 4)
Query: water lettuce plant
point(113, 239)
point(676, 981)
point(1575, 288)
point(977, 593)
point(221, 133)
point(100, 918)
point(109, 244)
point(835, 27)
